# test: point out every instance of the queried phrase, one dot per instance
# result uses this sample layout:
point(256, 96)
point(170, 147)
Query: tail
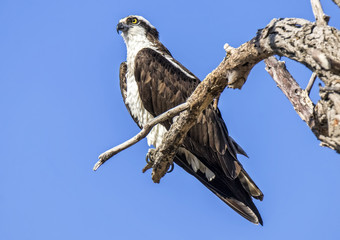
point(249, 185)
point(236, 193)
point(239, 200)
point(248, 212)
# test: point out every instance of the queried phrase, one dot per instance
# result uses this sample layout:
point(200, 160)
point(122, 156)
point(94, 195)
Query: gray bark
point(315, 46)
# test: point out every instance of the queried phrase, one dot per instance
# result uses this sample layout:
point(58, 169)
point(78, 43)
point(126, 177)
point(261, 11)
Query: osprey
point(152, 82)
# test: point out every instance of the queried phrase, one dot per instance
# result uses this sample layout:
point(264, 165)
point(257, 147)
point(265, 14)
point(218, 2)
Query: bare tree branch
point(297, 96)
point(311, 83)
point(317, 47)
point(142, 134)
point(337, 2)
point(322, 20)
point(320, 17)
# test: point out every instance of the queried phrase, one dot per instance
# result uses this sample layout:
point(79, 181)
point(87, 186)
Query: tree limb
point(142, 134)
point(311, 83)
point(295, 94)
point(320, 17)
point(322, 20)
point(317, 47)
point(337, 2)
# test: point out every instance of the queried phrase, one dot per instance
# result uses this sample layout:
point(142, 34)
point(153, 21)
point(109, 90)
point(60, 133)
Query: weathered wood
point(327, 117)
point(320, 17)
point(311, 83)
point(317, 47)
point(295, 94)
point(142, 134)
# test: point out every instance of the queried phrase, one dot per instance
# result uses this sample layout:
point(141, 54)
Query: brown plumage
point(163, 83)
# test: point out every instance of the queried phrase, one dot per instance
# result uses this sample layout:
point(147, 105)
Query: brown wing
point(162, 86)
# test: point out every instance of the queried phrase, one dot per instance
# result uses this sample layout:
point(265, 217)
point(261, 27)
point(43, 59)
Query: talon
point(148, 157)
point(172, 166)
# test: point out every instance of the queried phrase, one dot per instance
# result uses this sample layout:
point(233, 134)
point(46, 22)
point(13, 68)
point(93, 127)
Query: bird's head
point(136, 27)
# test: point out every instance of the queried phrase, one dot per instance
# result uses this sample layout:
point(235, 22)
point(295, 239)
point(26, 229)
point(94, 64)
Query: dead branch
point(142, 134)
point(317, 47)
point(295, 94)
point(320, 17)
point(311, 83)
point(337, 2)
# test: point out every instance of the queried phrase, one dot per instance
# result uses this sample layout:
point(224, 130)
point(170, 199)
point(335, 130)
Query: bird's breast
point(135, 104)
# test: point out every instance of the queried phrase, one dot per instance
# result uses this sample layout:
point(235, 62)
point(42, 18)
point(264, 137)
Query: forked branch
point(297, 39)
point(142, 134)
point(320, 17)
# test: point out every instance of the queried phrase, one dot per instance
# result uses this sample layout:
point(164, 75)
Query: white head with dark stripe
point(136, 28)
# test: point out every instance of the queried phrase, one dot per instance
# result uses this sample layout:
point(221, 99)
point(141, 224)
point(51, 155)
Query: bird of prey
point(151, 83)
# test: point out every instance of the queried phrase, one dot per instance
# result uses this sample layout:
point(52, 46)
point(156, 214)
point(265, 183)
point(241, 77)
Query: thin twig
point(311, 83)
point(330, 89)
point(142, 134)
point(320, 17)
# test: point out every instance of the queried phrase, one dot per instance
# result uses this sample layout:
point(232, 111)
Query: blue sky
point(61, 107)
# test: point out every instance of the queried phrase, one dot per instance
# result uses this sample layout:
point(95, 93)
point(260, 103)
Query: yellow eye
point(134, 20)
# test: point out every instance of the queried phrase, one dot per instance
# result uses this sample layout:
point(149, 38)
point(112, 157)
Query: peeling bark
point(327, 115)
point(317, 47)
point(295, 94)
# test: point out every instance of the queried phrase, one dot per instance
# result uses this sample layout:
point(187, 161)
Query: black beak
point(122, 27)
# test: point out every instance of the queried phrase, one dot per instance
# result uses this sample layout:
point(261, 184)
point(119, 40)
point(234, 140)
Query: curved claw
point(148, 157)
point(172, 166)
point(147, 160)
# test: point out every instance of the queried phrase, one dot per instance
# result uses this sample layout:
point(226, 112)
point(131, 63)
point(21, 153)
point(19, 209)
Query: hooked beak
point(122, 27)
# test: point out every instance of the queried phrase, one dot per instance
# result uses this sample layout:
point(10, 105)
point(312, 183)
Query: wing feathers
point(250, 186)
point(163, 85)
point(229, 191)
point(238, 148)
